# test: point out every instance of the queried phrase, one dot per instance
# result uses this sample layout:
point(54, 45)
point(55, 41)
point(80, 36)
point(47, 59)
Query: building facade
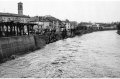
point(47, 22)
point(15, 24)
point(20, 8)
point(8, 17)
point(69, 24)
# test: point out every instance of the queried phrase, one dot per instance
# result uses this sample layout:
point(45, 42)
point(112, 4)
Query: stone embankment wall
point(118, 31)
point(39, 41)
point(15, 45)
point(118, 28)
point(10, 46)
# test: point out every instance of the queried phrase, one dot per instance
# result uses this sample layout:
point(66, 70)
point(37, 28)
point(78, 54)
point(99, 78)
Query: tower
point(20, 8)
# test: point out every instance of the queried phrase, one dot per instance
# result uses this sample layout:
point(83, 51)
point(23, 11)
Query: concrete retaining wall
point(118, 31)
point(23, 44)
point(14, 45)
point(39, 41)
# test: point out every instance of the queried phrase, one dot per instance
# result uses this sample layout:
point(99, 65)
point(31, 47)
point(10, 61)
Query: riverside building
point(15, 24)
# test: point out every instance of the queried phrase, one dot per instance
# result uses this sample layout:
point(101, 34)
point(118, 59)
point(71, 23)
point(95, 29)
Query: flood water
point(91, 55)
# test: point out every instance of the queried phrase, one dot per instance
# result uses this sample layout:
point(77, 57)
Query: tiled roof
point(66, 21)
point(43, 19)
point(20, 3)
point(13, 15)
point(48, 18)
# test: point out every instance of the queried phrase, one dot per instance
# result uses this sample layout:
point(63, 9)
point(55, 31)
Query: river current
point(93, 55)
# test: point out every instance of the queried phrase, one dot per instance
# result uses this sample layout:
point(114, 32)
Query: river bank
point(93, 55)
point(12, 47)
point(118, 28)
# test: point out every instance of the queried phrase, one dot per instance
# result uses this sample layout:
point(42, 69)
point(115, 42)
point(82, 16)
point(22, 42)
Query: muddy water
point(91, 55)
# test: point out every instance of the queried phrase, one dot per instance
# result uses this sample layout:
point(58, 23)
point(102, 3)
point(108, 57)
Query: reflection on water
point(91, 55)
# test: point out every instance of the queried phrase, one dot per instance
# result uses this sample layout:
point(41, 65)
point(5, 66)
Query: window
point(20, 7)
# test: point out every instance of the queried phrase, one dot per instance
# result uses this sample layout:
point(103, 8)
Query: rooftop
point(20, 3)
point(13, 15)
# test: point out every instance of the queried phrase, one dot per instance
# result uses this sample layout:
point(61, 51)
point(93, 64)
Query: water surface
point(91, 55)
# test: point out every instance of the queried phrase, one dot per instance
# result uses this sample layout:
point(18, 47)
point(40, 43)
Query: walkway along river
point(95, 54)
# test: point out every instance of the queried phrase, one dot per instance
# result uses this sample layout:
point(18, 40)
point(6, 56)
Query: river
point(93, 55)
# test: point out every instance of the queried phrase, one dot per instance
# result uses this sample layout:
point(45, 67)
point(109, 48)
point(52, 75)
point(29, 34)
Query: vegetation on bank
point(118, 28)
point(51, 36)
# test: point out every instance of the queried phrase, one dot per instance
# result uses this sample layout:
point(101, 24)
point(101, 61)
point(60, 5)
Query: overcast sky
point(75, 10)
